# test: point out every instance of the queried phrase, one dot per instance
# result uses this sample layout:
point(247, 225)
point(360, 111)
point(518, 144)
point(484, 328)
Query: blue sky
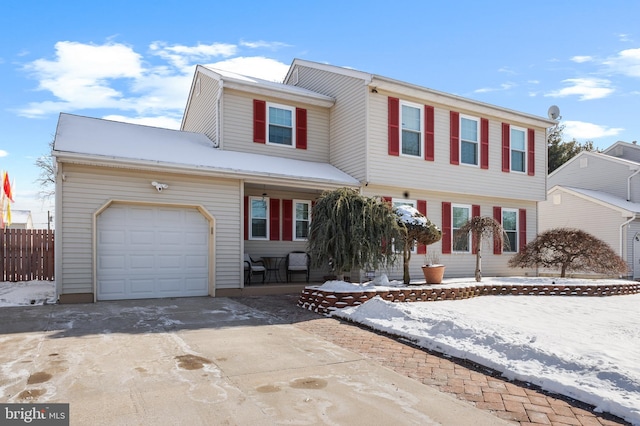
point(134, 60)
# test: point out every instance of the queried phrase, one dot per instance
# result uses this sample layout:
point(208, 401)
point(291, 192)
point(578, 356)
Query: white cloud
point(182, 57)
point(581, 59)
point(627, 62)
point(255, 66)
point(273, 45)
point(580, 130)
point(586, 88)
point(3, 153)
point(503, 86)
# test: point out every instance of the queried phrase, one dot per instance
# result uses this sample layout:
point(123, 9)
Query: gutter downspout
point(629, 184)
point(621, 235)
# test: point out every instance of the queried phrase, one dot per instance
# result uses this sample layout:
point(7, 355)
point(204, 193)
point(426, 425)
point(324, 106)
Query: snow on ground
point(585, 348)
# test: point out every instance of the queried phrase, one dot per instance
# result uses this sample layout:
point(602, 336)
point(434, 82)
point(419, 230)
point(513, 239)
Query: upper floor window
point(461, 214)
point(281, 124)
point(518, 139)
point(259, 214)
point(302, 219)
point(412, 129)
point(469, 140)
point(510, 226)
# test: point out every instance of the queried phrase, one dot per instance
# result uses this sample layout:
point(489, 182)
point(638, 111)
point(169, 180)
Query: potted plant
point(433, 270)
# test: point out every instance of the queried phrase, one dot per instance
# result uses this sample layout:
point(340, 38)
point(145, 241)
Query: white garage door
point(150, 252)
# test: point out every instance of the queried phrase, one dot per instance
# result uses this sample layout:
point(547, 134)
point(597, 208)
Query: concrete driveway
point(204, 361)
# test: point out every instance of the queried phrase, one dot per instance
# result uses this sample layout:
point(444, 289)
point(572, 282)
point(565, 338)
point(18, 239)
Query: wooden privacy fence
point(27, 254)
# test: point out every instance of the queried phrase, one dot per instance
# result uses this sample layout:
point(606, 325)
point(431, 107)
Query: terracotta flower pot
point(433, 274)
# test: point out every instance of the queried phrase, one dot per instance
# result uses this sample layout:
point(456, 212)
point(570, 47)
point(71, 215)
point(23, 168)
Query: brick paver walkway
point(487, 391)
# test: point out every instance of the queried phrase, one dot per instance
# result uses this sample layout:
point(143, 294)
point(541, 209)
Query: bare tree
point(570, 250)
point(482, 227)
point(47, 177)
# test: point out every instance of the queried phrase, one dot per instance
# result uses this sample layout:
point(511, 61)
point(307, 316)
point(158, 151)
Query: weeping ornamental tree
point(570, 249)
point(350, 231)
point(416, 229)
point(482, 227)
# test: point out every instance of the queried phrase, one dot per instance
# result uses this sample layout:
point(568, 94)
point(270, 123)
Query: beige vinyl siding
point(348, 117)
point(87, 189)
point(460, 265)
point(202, 114)
point(595, 172)
point(577, 212)
point(238, 129)
point(440, 175)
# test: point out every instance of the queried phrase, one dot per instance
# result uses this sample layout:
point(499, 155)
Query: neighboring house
point(21, 219)
point(250, 159)
point(600, 194)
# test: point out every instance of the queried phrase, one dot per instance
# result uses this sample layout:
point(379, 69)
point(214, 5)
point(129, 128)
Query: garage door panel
point(149, 252)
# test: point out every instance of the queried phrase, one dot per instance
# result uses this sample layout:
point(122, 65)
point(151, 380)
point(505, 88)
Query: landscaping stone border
point(324, 301)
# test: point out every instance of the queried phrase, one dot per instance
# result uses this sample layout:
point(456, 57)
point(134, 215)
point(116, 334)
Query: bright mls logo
point(36, 414)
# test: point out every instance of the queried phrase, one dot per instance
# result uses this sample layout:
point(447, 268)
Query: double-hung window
point(518, 140)
point(281, 124)
point(510, 226)
point(412, 128)
point(461, 214)
point(302, 219)
point(259, 214)
point(469, 140)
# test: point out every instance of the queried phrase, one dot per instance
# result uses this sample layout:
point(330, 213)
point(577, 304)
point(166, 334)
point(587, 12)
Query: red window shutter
point(531, 152)
point(522, 229)
point(506, 147)
point(422, 208)
point(274, 219)
point(446, 228)
point(454, 144)
point(287, 220)
point(301, 128)
point(475, 212)
point(394, 126)
point(259, 121)
point(429, 140)
point(484, 143)
point(246, 217)
point(497, 215)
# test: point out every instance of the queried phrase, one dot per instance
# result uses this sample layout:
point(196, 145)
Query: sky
point(134, 61)
point(592, 357)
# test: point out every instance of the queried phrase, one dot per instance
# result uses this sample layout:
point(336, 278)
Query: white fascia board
point(625, 213)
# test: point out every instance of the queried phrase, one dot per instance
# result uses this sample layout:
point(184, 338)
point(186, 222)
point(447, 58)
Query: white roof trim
point(633, 165)
point(626, 208)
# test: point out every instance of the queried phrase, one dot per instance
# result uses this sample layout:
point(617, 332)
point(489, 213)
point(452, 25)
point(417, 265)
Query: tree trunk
point(405, 265)
point(479, 263)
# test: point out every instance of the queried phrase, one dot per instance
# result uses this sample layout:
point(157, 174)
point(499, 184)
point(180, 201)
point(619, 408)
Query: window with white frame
point(412, 129)
point(281, 124)
point(469, 140)
point(259, 218)
point(402, 202)
point(460, 214)
point(510, 226)
point(302, 220)
point(518, 140)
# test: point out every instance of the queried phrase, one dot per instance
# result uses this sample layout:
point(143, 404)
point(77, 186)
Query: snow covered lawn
point(27, 293)
point(587, 348)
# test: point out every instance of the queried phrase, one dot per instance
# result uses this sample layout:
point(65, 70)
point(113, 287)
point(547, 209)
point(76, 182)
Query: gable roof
point(97, 141)
point(599, 155)
point(622, 144)
point(602, 198)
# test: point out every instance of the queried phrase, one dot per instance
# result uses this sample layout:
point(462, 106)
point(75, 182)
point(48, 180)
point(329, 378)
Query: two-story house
point(147, 212)
point(600, 194)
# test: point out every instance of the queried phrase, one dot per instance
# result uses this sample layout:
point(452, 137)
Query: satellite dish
point(554, 112)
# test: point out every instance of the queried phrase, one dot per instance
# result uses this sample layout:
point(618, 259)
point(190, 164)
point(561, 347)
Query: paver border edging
point(326, 301)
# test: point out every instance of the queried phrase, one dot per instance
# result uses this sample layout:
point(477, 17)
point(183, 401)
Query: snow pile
point(27, 293)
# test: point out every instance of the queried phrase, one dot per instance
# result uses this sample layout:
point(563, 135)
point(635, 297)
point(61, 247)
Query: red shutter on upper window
point(246, 217)
point(287, 220)
point(422, 208)
point(531, 152)
point(497, 215)
point(301, 128)
point(522, 229)
point(274, 219)
point(429, 140)
point(446, 228)
point(475, 212)
point(454, 140)
point(259, 121)
point(506, 147)
point(484, 143)
point(394, 126)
